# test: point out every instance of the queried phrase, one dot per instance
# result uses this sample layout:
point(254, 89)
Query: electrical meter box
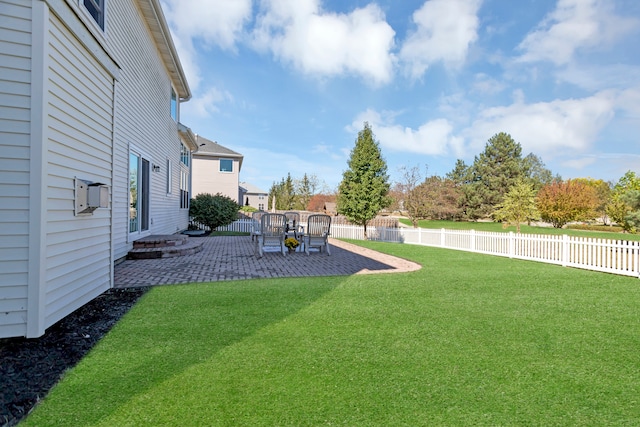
point(90, 196)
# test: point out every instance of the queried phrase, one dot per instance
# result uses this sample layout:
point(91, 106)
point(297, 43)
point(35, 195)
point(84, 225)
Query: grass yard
point(525, 229)
point(468, 340)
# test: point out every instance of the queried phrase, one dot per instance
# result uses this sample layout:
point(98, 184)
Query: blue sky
point(289, 83)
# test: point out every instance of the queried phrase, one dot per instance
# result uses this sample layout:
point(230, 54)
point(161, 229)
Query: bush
point(213, 211)
point(595, 227)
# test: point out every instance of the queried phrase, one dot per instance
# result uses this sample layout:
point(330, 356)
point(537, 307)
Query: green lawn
point(467, 340)
point(526, 229)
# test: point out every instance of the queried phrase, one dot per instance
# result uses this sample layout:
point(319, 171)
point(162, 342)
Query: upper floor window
point(184, 155)
point(96, 10)
point(226, 165)
point(174, 105)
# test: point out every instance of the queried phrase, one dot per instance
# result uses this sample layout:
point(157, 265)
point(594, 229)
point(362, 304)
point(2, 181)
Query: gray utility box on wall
point(90, 196)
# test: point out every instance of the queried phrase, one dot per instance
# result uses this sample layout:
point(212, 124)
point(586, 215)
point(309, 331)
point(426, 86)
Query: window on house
point(174, 105)
point(184, 189)
point(185, 155)
point(226, 165)
point(96, 10)
point(169, 177)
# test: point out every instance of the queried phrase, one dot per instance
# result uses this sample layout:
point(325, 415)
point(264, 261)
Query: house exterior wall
point(143, 124)
point(207, 177)
point(74, 102)
point(258, 201)
point(78, 143)
point(15, 120)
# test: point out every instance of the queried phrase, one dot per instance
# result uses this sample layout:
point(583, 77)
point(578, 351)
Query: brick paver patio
point(233, 258)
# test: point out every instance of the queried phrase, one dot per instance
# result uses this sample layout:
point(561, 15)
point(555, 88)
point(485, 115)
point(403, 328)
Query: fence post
point(565, 250)
point(442, 239)
point(511, 245)
point(473, 241)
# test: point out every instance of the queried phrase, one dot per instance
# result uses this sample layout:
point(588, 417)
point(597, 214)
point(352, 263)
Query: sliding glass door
point(139, 187)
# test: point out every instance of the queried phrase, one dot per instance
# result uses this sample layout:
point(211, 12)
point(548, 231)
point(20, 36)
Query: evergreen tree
point(493, 174)
point(364, 189)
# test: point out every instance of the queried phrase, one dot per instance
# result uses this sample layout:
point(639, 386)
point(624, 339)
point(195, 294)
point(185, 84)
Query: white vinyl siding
point(143, 123)
point(15, 88)
point(80, 104)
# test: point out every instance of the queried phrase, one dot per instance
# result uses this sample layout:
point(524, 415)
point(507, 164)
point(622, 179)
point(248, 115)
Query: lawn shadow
point(165, 334)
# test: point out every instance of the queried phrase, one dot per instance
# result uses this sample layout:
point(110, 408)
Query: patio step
point(164, 246)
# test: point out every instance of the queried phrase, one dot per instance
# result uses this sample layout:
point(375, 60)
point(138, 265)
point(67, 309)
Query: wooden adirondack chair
point(293, 224)
point(272, 232)
point(255, 224)
point(317, 233)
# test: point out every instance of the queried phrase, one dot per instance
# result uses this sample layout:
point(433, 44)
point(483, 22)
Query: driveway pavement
point(233, 258)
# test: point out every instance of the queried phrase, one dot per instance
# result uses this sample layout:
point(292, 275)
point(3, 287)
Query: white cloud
point(434, 137)
point(574, 25)
point(327, 44)
point(547, 128)
point(210, 22)
point(445, 30)
point(216, 22)
point(207, 103)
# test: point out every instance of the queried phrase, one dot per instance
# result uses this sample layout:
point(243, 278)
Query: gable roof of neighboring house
point(252, 189)
point(208, 148)
point(154, 17)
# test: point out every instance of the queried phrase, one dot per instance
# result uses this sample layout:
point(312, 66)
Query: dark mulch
point(31, 367)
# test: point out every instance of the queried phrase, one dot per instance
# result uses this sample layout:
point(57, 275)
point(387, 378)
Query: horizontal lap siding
point(15, 75)
point(143, 120)
point(78, 249)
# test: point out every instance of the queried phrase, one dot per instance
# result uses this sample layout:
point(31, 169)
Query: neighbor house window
point(226, 165)
point(174, 105)
point(96, 10)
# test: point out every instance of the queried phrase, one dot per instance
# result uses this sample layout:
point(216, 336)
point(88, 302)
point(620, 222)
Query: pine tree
point(364, 189)
point(493, 173)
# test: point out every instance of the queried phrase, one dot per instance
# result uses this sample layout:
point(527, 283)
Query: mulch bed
point(31, 367)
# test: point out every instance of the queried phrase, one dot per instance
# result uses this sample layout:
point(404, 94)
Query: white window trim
point(220, 166)
point(169, 179)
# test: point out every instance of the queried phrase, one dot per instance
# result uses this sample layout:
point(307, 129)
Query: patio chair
point(272, 232)
point(317, 233)
point(293, 224)
point(255, 224)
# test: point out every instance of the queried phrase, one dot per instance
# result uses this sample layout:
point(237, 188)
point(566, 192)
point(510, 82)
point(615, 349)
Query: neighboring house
point(92, 153)
point(254, 196)
point(216, 169)
point(330, 208)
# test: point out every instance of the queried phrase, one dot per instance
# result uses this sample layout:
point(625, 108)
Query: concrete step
point(164, 246)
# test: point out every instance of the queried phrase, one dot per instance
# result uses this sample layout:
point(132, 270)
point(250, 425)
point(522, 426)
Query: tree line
point(500, 185)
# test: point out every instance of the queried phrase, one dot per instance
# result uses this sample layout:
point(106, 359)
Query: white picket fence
point(611, 256)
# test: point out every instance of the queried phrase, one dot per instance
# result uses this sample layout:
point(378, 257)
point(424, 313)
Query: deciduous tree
point(563, 202)
point(518, 206)
point(621, 206)
point(411, 199)
point(436, 198)
point(364, 188)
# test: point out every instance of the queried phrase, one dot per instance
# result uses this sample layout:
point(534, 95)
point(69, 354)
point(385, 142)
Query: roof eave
point(188, 137)
point(152, 12)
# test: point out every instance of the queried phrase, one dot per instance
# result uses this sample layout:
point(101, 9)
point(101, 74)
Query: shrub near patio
point(467, 340)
